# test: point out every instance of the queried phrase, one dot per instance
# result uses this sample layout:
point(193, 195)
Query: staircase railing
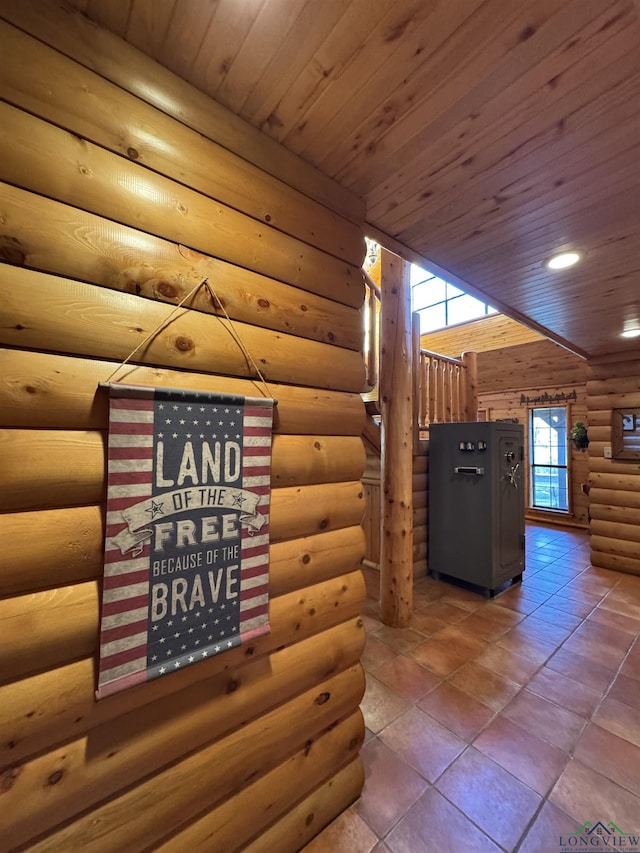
point(372, 336)
point(445, 387)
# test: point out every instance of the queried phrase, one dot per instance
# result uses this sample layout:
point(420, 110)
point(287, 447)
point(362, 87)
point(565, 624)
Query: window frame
point(531, 465)
point(458, 293)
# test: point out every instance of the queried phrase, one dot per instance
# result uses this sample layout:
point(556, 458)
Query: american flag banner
point(186, 560)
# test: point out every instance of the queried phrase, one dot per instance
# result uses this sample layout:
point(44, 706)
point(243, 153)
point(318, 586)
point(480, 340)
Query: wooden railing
point(372, 335)
point(444, 388)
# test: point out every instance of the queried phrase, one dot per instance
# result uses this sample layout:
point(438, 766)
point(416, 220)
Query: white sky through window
point(441, 303)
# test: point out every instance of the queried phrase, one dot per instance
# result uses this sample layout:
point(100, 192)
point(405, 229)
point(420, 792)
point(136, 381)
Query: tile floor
point(501, 725)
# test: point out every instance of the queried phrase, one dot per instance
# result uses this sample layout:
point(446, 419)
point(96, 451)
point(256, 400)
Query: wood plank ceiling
point(484, 135)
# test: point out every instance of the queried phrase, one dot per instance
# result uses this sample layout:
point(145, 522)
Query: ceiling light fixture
point(561, 262)
point(631, 326)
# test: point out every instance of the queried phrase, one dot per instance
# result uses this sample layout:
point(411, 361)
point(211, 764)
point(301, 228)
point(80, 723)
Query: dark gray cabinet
point(476, 502)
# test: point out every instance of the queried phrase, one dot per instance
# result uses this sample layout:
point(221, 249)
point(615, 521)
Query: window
point(548, 458)
point(440, 303)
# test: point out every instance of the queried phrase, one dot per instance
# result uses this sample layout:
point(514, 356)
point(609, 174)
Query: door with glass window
point(548, 473)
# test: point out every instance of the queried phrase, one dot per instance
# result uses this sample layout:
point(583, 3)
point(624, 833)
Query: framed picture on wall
point(625, 434)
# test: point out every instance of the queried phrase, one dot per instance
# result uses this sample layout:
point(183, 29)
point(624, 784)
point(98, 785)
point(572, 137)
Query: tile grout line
point(491, 643)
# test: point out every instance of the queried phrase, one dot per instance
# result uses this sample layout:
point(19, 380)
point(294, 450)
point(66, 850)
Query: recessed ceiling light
point(561, 262)
point(630, 333)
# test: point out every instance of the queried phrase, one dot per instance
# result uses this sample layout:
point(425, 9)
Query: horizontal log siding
point(372, 523)
point(203, 778)
point(99, 50)
point(43, 390)
point(372, 519)
point(91, 178)
point(504, 376)
point(302, 822)
point(127, 126)
point(47, 312)
point(420, 494)
point(80, 245)
point(105, 230)
point(613, 382)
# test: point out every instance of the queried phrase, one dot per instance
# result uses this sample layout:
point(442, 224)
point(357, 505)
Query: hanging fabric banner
point(186, 562)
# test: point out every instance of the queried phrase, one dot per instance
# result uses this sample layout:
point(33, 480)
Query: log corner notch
point(396, 400)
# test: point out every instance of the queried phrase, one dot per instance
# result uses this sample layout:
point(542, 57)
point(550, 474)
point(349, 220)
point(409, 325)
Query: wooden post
point(415, 337)
point(470, 362)
point(396, 391)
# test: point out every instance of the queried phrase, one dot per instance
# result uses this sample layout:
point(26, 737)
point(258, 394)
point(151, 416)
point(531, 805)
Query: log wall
point(118, 196)
point(372, 519)
point(532, 370)
point(372, 523)
point(613, 383)
point(419, 503)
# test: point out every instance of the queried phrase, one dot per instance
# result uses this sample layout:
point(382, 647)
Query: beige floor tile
point(459, 712)
point(433, 825)
point(390, 788)
point(407, 678)
point(423, 743)
point(487, 687)
point(381, 704)
point(585, 795)
point(533, 761)
point(549, 721)
point(490, 796)
point(611, 756)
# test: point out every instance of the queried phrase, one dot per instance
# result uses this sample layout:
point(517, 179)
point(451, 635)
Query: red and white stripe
point(123, 630)
point(256, 478)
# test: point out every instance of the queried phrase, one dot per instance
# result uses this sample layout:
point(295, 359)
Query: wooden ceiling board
point(533, 109)
point(149, 23)
point(185, 35)
point(341, 47)
point(488, 333)
point(307, 33)
point(469, 96)
point(425, 50)
point(526, 250)
point(539, 194)
point(113, 16)
point(482, 134)
point(547, 142)
point(273, 24)
point(230, 24)
point(383, 47)
point(446, 83)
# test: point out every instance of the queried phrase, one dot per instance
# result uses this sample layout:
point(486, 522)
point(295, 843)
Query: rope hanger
point(215, 301)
